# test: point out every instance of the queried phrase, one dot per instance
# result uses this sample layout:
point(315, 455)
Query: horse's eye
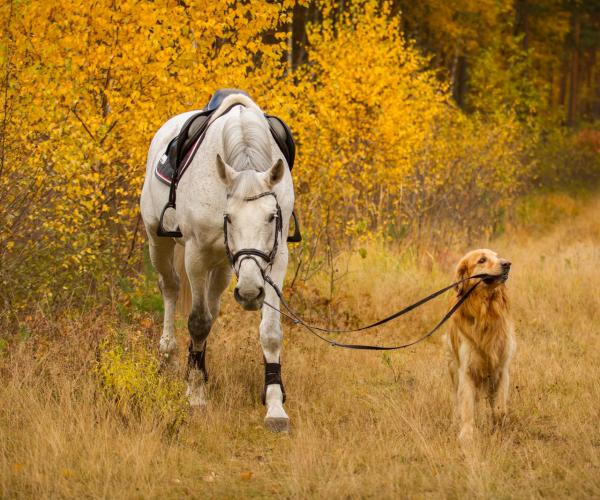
point(482, 260)
point(271, 218)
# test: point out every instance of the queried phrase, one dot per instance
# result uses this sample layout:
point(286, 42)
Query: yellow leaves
point(129, 372)
point(379, 139)
point(366, 105)
point(89, 87)
point(378, 142)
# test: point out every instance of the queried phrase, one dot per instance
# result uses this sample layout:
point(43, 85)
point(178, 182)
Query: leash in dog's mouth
point(497, 279)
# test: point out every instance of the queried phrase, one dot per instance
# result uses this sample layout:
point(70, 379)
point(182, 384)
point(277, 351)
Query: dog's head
point(482, 261)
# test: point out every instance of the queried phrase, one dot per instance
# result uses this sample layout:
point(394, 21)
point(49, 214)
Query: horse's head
point(252, 227)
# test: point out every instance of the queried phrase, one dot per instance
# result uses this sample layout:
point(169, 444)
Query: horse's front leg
point(199, 325)
point(271, 338)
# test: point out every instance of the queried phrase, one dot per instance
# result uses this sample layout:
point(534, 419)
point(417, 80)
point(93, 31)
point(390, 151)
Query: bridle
point(252, 253)
point(272, 370)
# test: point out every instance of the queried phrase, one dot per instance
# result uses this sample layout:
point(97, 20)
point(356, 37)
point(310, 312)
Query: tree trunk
point(459, 80)
point(298, 36)
point(522, 21)
point(574, 73)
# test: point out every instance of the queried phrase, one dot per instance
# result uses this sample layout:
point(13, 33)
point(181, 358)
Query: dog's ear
point(462, 272)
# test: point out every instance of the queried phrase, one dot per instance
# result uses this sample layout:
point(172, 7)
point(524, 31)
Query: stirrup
point(160, 230)
point(297, 236)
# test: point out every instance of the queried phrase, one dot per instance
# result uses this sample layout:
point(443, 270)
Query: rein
point(251, 253)
point(314, 330)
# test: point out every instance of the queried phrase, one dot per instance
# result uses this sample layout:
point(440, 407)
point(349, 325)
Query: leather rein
point(251, 253)
point(315, 329)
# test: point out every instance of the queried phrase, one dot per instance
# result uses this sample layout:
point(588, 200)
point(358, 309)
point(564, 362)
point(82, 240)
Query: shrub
point(130, 375)
point(383, 152)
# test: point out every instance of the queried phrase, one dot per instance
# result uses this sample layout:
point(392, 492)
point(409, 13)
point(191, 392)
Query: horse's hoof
point(195, 395)
point(277, 424)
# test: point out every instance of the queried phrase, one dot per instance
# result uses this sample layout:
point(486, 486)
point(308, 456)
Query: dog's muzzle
point(499, 278)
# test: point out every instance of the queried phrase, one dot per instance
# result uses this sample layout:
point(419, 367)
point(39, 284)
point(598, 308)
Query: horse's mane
point(246, 141)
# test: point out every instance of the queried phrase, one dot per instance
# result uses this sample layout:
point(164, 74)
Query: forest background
point(418, 123)
point(423, 129)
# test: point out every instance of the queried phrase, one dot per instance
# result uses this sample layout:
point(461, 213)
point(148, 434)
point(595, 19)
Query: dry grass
point(364, 424)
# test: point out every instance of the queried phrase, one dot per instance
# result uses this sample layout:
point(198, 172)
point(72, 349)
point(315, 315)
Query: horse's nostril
point(261, 293)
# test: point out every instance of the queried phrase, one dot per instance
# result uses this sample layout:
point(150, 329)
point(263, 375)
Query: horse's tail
point(184, 303)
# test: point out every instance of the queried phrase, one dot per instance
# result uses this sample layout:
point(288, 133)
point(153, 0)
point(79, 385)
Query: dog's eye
point(482, 260)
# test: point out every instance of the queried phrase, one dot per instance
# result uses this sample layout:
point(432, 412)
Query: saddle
point(181, 150)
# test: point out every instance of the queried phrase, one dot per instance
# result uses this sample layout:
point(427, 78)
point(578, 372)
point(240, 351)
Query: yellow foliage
point(130, 374)
point(87, 87)
point(382, 152)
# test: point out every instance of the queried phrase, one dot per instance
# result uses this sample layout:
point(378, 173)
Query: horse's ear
point(462, 272)
point(226, 173)
point(275, 173)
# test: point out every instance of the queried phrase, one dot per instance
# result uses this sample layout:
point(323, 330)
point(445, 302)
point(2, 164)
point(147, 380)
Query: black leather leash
point(314, 330)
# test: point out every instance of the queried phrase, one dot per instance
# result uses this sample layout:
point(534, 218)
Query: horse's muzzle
point(248, 301)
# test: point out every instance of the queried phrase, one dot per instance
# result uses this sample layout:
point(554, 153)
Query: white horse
point(238, 173)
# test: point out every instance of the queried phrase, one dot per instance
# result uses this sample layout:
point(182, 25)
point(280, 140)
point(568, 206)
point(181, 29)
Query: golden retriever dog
point(481, 339)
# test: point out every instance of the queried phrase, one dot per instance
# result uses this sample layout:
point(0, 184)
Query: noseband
point(251, 253)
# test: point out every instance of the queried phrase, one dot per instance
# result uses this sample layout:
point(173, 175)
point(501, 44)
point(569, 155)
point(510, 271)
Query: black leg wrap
point(196, 360)
point(272, 376)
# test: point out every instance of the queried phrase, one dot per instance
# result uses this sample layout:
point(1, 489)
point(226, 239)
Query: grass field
point(363, 424)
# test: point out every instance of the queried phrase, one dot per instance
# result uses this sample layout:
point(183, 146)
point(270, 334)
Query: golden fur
point(481, 339)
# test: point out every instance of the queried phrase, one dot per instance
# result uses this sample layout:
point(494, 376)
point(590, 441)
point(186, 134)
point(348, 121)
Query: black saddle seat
point(202, 118)
point(217, 98)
